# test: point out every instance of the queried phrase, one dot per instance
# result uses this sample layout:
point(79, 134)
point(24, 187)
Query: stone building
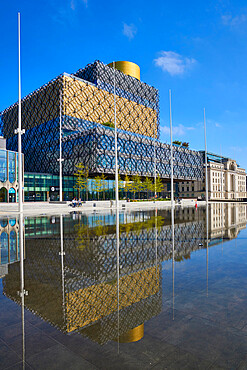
point(226, 181)
point(226, 220)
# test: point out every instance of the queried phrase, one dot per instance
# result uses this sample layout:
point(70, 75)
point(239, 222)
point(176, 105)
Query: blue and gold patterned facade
point(84, 101)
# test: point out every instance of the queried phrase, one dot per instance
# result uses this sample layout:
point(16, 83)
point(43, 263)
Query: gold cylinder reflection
point(129, 68)
point(132, 335)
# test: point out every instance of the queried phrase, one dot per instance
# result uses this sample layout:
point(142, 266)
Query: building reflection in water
point(12, 253)
point(9, 243)
point(87, 275)
point(22, 292)
point(173, 254)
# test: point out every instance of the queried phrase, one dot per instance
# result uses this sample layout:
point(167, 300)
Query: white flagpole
point(206, 183)
point(206, 159)
point(173, 263)
point(60, 151)
point(115, 126)
point(222, 194)
point(23, 292)
point(155, 174)
point(19, 131)
point(172, 193)
point(62, 254)
point(118, 273)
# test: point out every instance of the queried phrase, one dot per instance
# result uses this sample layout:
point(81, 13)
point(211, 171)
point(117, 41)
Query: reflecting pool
point(125, 290)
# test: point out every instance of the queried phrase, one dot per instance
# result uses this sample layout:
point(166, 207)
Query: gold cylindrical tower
point(129, 68)
point(132, 335)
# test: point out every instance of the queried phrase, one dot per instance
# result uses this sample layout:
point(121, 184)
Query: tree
point(148, 185)
point(108, 124)
point(127, 185)
point(82, 235)
point(82, 178)
point(120, 183)
point(104, 184)
point(132, 188)
point(137, 184)
point(177, 142)
point(159, 185)
point(98, 185)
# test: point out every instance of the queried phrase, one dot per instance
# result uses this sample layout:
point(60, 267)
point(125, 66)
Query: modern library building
point(81, 106)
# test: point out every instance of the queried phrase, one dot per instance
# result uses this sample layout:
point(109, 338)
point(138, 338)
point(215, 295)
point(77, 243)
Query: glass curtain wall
point(3, 165)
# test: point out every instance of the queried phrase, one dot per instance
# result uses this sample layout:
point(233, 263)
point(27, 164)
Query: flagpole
point(22, 292)
point(172, 193)
point(155, 174)
point(118, 274)
point(221, 172)
point(60, 150)
point(206, 158)
point(206, 181)
point(115, 126)
point(19, 131)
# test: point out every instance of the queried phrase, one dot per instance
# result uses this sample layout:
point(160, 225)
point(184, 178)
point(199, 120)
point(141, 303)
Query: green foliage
point(103, 184)
point(184, 144)
point(127, 183)
point(136, 185)
point(82, 231)
point(108, 124)
point(120, 182)
point(177, 142)
point(98, 185)
point(148, 185)
point(86, 234)
point(82, 177)
point(155, 221)
point(159, 185)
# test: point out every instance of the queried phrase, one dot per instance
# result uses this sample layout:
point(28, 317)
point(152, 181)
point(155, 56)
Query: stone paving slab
point(43, 208)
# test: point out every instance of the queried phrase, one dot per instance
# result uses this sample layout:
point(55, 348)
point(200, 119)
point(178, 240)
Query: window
point(11, 167)
point(3, 165)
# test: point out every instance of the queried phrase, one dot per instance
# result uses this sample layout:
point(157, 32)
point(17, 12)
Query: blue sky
point(197, 49)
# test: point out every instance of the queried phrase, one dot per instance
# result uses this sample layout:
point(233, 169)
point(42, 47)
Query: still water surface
point(130, 290)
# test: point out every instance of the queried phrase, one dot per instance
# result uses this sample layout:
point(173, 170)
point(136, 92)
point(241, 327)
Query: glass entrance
point(12, 195)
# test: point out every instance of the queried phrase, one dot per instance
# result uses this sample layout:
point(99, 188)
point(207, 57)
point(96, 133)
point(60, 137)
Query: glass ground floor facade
point(44, 187)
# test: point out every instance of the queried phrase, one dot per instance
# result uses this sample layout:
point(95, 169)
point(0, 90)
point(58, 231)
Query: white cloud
point(229, 20)
point(238, 149)
point(85, 2)
point(214, 123)
point(129, 30)
point(73, 3)
point(178, 131)
point(174, 63)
